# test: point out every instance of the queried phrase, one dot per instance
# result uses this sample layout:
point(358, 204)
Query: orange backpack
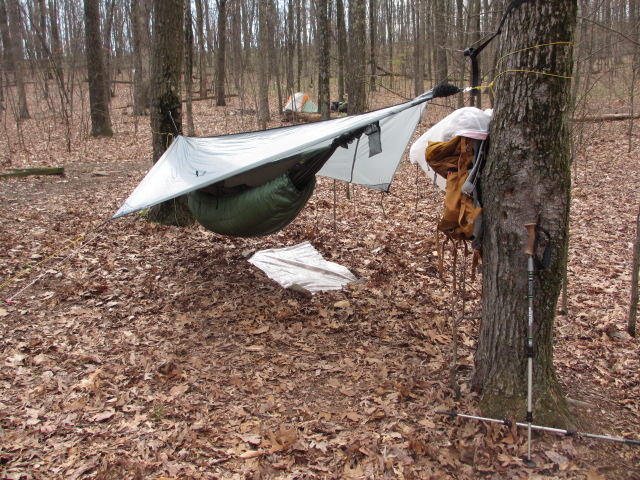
point(453, 160)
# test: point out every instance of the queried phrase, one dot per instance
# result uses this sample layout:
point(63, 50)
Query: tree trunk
point(222, 50)
point(342, 47)
point(323, 59)
point(188, 69)
point(56, 44)
point(7, 55)
point(526, 180)
point(139, 33)
point(166, 114)
point(635, 266)
point(107, 48)
point(263, 63)
point(357, 55)
point(373, 34)
point(441, 42)
point(17, 53)
point(290, 47)
point(418, 54)
point(202, 61)
point(98, 92)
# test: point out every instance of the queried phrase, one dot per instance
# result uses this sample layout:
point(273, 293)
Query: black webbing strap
point(545, 261)
point(473, 53)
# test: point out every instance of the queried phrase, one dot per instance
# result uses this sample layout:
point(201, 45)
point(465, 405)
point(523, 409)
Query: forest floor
point(153, 352)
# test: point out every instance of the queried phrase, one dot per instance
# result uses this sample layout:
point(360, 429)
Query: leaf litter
point(159, 352)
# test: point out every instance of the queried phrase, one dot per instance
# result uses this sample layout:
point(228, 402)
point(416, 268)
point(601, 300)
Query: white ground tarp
point(191, 163)
point(302, 268)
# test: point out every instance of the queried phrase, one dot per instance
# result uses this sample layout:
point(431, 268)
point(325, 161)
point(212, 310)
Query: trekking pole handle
point(531, 238)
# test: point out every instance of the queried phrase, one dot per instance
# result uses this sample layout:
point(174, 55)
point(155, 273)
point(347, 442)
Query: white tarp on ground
point(467, 122)
point(191, 163)
point(302, 268)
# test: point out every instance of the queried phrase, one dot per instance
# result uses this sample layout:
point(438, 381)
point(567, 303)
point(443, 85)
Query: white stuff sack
point(466, 122)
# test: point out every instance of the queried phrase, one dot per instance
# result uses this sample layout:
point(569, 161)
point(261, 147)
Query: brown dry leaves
point(157, 352)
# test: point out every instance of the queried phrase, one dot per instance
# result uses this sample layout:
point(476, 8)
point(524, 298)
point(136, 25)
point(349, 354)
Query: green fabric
point(259, 211)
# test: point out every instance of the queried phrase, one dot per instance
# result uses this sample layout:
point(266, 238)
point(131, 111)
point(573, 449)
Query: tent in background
point(300, 102)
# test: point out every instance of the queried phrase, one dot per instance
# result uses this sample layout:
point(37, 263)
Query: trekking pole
point(567, 433)
point(530, 251)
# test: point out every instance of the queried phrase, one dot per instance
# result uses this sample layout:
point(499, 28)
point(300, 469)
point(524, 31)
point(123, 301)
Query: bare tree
point(263, 62)
point(166, 98)
point(373, 35)
point(98, 92)
point(17, 58)
point(140, 46)
point(356, 78)
point(202, 53)
point(222, 49)
point(188, 68)
point(635, 267)
point(342, 47)
point(323, 58)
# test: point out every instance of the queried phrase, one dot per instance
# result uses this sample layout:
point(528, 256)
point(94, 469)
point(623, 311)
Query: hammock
point(273, 171)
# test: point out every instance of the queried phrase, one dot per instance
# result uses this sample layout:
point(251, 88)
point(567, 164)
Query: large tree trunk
point(166, 114)
point(526, 180)
point(98, 91)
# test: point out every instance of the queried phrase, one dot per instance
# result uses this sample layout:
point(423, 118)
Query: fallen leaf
point(178, 390)
point(251, 454)
point(348, 392)
point(260, 330)
point(104, 416)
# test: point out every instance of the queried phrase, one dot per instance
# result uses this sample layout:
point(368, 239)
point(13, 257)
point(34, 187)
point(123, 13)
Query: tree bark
point(166, 114)
point(98, 91)
point(526, 180)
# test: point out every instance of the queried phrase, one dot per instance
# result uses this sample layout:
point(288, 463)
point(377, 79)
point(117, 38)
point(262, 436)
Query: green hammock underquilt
point(258, 211)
